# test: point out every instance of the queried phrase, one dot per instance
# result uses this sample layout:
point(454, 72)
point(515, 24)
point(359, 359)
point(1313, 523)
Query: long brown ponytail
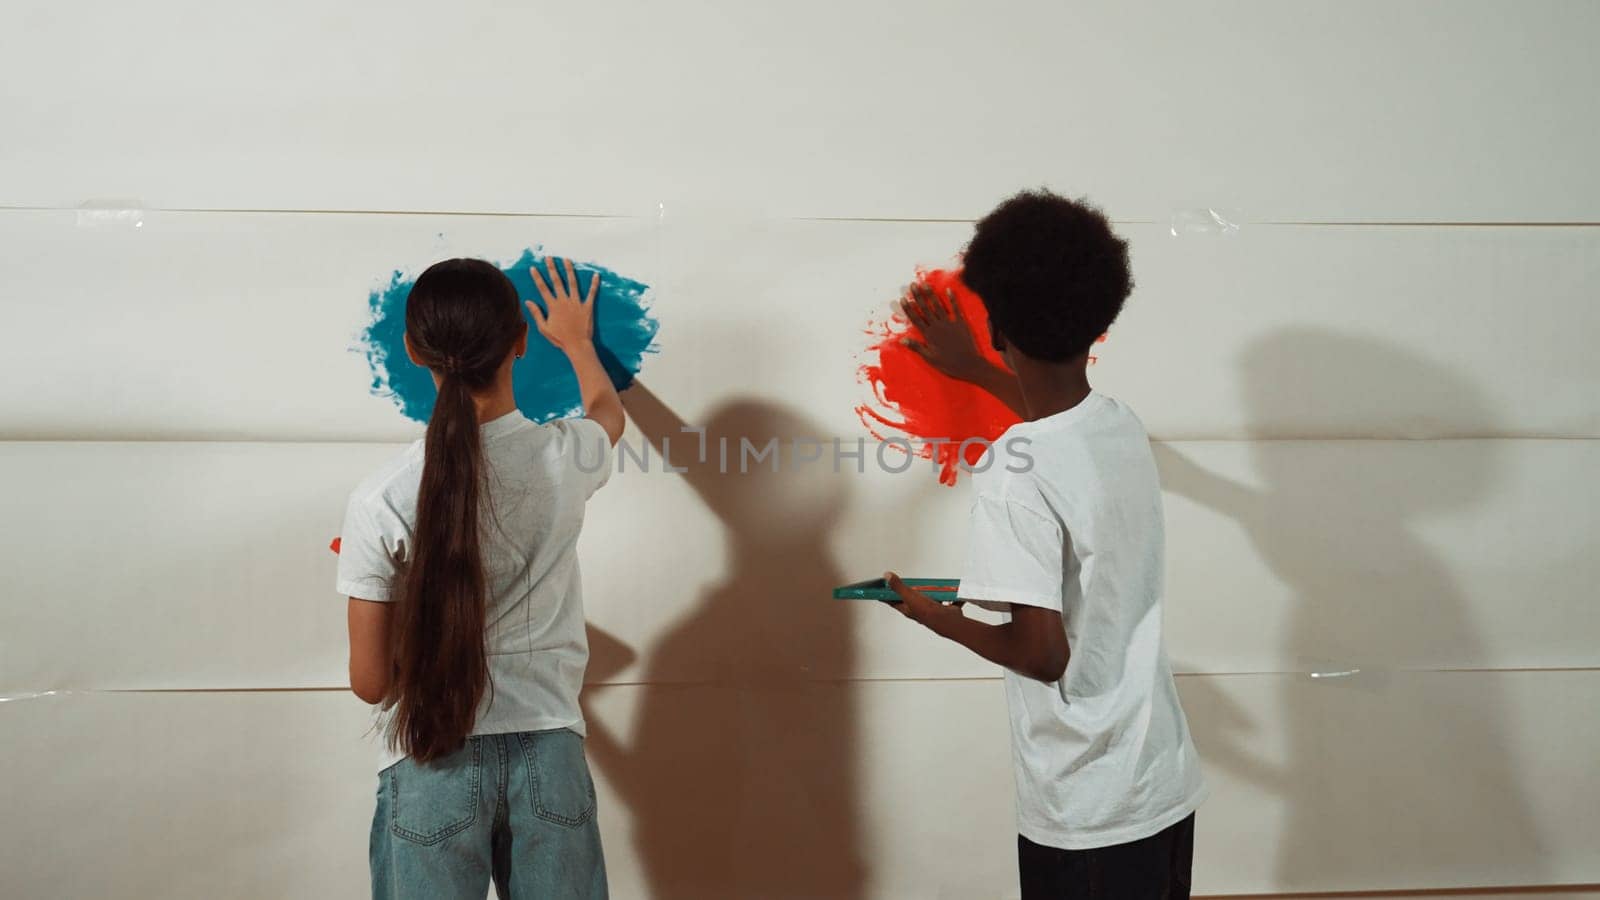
point(462, 318)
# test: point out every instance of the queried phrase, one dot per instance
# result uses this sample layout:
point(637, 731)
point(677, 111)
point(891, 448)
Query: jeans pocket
point(562, 790)
point(430, 802)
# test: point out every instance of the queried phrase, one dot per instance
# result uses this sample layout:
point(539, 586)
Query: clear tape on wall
point(112, 213)
point(36, 695)
point(1204, 221)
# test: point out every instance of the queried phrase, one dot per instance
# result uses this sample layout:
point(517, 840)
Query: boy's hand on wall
point(947, 341)
point(566, 321)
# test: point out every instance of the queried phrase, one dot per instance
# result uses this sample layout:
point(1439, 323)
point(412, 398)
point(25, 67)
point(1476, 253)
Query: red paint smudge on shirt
point(334, 545)
point(912, 400)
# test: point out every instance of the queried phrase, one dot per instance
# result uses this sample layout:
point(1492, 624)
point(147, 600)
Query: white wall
point(1375, 402)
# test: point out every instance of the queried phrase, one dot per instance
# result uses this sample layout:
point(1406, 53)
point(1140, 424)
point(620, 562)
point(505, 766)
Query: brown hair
point(462, 318)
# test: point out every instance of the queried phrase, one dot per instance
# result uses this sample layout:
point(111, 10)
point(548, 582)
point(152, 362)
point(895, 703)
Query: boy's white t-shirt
point(1103, 756)
point(538, 479)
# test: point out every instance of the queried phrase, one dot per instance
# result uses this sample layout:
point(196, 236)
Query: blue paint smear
point(545, 386)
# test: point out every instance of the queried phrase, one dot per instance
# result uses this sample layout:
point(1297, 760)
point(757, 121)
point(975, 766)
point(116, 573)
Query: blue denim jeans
point(513, 809)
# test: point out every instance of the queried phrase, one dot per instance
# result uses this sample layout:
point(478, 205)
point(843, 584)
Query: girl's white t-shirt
point(538, 478)
point(1103, 756)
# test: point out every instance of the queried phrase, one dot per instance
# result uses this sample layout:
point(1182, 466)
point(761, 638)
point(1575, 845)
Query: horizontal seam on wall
point(201, 210)
point(907, 220)
point(356, 442)
point(1528, 889)
point(1243, 223)
point(910, 679)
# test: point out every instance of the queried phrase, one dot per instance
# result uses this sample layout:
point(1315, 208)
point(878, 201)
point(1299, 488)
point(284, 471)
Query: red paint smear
point(334, 546)
point(913, 400)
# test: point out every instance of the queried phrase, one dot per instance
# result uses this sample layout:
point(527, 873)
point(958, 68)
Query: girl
point(466, 617)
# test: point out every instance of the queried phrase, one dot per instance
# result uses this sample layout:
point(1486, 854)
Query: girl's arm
point(600, 400)
point(568, 323)
point(370, 666)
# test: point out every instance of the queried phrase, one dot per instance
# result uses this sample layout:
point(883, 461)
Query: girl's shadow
point(743, 785)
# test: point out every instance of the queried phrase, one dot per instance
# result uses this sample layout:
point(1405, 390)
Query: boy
point(1072, 546)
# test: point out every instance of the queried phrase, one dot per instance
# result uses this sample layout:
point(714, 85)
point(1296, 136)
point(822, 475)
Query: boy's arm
point(1033, 644)
point(949, 345)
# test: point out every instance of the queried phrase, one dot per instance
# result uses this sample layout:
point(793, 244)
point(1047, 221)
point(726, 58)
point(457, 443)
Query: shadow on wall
point(745, 786)
point(1377, 783)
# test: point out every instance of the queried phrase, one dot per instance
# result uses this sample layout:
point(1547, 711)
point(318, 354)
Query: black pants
point(1153, 868)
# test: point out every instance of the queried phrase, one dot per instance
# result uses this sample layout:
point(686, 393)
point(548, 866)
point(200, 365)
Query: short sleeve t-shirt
point(1071, 520)
point(538, 478)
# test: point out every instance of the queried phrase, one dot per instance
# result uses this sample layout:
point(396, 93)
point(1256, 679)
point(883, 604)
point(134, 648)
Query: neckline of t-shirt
point(502, 424)
point(1091, 402)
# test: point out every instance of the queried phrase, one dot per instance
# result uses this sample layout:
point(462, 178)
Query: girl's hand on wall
point(566, 321)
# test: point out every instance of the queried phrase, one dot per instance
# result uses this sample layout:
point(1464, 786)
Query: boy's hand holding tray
point(915, 598)
point(940, 590)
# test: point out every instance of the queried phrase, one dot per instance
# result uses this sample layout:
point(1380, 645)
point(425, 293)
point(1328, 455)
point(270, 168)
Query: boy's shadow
point(744, 785)
point(1373, 784)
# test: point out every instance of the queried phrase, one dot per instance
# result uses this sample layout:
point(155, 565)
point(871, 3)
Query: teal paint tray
point(939, 590)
